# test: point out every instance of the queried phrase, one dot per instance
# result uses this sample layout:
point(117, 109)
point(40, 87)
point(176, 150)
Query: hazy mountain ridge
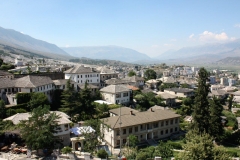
point(214, 51)
point(18, 40)
point(229, 61)
point(107, 52)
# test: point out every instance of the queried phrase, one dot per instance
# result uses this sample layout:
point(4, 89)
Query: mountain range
point(107, 52)
point(18, 40)
point(208, 53)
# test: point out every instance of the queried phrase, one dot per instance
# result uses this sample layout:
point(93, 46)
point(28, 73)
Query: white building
point(27, 84)
point(81, 74)
point(231, 81)
point(224, 81)
point(116, 94)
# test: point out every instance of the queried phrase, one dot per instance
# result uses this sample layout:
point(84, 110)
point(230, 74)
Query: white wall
point(92, 78)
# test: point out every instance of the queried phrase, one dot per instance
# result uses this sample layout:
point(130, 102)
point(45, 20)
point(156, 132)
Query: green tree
point(102, 154)
point(69, 100)
point(3, 110)
point(38, 131)
point(230, 102)
point(150, 74)
point(163, 150)
point(132, 140)
point(131, 73)
point(88, 109)
point(201, 147)
point(1, 62)
point(201, 105)
point(215, 120)
point(38, 99)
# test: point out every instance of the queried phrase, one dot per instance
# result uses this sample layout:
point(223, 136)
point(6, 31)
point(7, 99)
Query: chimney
point(131, 112)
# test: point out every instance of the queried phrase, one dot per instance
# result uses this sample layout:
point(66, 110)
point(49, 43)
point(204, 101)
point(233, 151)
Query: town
point(70, 110)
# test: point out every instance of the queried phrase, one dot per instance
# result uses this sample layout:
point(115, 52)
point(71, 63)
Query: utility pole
point(120, 130)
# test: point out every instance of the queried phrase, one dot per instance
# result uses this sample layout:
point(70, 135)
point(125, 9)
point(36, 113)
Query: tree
point(215, 120)
point(131, 73)
point(132, 140)
point(1, 62)
point(201, 147)
point(38, 131)
point(150, 74)
point(38, 99)
point(88, 109)
point(70, 100)
point(2, 109)
point(201, 105)
point(230, 101)
point(163, 150)
point(102, 154)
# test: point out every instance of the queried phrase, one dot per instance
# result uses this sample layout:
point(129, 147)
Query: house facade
point(81, 74)
point(116, 94)
point(148, 125)
point(27, 84)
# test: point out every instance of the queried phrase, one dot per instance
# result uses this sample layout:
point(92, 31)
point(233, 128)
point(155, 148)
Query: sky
point(148, 26)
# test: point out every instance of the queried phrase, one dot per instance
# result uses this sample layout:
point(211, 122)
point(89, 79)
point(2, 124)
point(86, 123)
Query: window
point(85, 76)
point(166, 131)
point(136, 129)
point(81, 76)
point(130, 130)
point(118, 142)
point(176, 120)
point(125, 94)
point(155, 125)
point(30, 90)
point(161, 132)
point(162, 123)
point(171, 130)
point(124, 131)
point(118, 132)
point(141, 127)
point(124, 141)
point(171, 122)
point(176, 129)
point(78, 76)
point(166, 123)
point(66, 127)
point(97, 75)
point(118, 95)
point(97, 80)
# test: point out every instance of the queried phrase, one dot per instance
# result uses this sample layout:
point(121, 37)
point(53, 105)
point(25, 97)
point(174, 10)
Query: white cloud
point(191, 36)
point(237, 25)
point(210, 36)
point(22, 32)
point(167, 45)
point(67, 45)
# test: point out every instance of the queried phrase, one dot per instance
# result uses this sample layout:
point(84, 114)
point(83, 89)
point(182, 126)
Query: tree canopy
point(38, 131)
point(150, 74)
point(131, 73)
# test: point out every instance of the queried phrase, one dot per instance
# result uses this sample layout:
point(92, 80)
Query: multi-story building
point(116, 94)
point(212, 79)
point(148, 125)
point(224, 81)
point(64, 124)
point(27, 84)
point(105, 74)
point(81, 74)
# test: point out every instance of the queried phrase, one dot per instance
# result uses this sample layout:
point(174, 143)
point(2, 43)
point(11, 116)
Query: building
point(148, 125)
point(135, 81)
point(63, 122)
point(105, 74)
point(81, 74)
point(4, 74)
point(180, 92)
point(212, 79)
point(168, 99)
point(27, 84)
point(61, 84)
point(231, 81)
point(116, 94)
point(224, 81)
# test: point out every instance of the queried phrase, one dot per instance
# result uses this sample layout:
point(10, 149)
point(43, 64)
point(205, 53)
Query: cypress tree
point(215, 120)
point(201, 105)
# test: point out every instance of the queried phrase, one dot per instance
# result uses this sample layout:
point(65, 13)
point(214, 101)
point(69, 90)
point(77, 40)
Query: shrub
point(175, 145)
point(66, 150)
point(102, 154)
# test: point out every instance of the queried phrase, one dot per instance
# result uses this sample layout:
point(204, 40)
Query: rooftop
point(124, 111)
point(81, 69)
point(139, 118)
point(115, 89)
